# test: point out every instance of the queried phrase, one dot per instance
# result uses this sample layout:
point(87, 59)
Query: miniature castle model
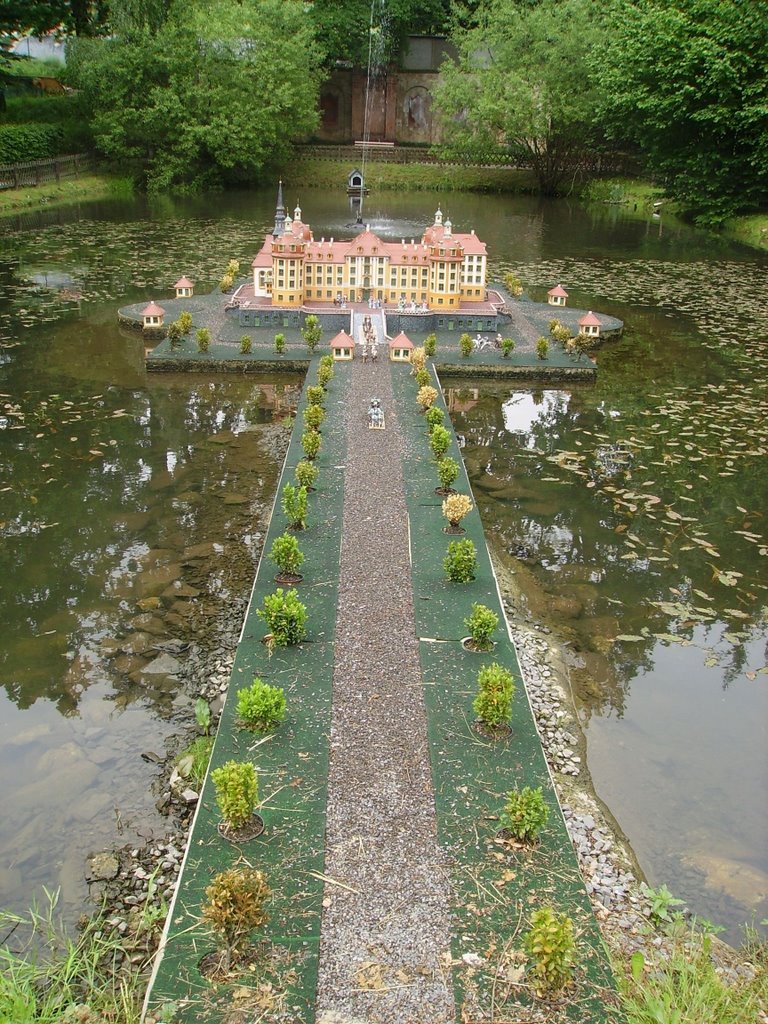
point(442, 271)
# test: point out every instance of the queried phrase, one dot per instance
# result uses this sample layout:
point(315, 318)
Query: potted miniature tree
point(324, 374)
point(430, 344)
point(306, 474)
point(185, 321)
point(455, 507)
point(315, 395)
point(203, 339)
point(426, 397)
point(507, 347)
point(310, 442)
point(246, 344)
point(312, 332)
point(434, 416)
point(237, 793)
point(175, 334)
point(313, 417)
point(294, 502)
point(552, 945)
point(466, 345)
point(261, 707)
point(288, 557)
point(279, 344)
point(439, 441)
point(460, 562)
point(422, 377)
point(417, 359)
point(233, 907)
point(447, 472)
point(524, 816)
point(286, 617)
point(493, 701)
point(542, 347)
point(481, 623)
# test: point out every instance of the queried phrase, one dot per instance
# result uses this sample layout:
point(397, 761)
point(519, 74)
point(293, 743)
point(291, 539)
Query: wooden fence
point(35, 172)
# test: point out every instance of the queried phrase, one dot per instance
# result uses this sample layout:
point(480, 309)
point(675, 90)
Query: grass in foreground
point(682, 986)
point(46, 976)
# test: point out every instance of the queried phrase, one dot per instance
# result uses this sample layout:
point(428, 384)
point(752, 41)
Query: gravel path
point(384, 950)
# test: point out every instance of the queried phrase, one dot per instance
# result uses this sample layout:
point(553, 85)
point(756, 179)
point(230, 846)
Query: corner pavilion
point(440, 272)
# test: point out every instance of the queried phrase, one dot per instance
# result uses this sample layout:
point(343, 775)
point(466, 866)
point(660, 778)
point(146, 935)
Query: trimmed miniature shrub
point(310, 442)
point(495, 690)
point(306, 474)
point(324, 375)
point(461, 561)
point(226, 282)
point(327, 360)
point(525, 813)
point(513, 284)
point(418, 359)
point(439, 441)
point(430, 344)
point(507, 347)
point(185, 321)
point(234, 907)
point(481, 623)
point(561, 333)
point(455, 507)
point(260, 706)
point(233, 268)
point(542, 347)
point(286, 617)
point(315, 395)
point(447, 471)
point(286, 553)
point(422, 377)
point(175, 333)
point(313, 417)
point(246, 344)
point(466, 345)
point(294, 503)
point(552, 945)
point(237, 792)
point(434, 416)
point(203, 339)
point(426, 396)
point(279, 344)
point(312, 332)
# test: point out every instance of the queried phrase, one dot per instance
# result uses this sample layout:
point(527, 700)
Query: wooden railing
point(35, 172)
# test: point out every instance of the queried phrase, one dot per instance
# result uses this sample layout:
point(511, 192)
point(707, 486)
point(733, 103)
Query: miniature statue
point(375, 415)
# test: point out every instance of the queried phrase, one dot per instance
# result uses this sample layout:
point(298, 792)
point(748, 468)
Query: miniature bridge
point(392, 899)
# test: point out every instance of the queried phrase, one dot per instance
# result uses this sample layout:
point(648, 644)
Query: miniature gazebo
point(342, 346)
point(400, 348)
point(589, 325)
point(152, 315)
point(557, 296)
point(184, 288)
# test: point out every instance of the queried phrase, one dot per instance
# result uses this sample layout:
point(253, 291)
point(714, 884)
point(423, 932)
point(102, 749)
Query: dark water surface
point(633, 512)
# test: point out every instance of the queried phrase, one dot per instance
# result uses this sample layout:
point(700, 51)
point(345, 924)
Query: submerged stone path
point(385, 939)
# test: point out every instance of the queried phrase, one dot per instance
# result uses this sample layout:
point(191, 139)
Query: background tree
point(211, 97)
point(523, 82)
point(687, 84)
point(38, 17)
point(342, 27)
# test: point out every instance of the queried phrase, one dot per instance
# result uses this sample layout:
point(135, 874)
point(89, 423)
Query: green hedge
point(21, 142)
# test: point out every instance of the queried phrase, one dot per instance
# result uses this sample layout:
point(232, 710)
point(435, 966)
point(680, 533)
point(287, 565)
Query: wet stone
point(103, 865)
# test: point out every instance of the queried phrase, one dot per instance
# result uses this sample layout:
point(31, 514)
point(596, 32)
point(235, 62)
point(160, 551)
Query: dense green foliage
point(525, 813)
point(261, 706)
point(523, 80)
point(687, 84)
point(28, 142)
point(211, 97)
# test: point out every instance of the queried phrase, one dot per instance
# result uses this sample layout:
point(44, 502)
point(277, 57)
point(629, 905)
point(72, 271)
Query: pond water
point(632, 512)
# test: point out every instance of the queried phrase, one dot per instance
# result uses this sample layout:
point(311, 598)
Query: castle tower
point(279, 212)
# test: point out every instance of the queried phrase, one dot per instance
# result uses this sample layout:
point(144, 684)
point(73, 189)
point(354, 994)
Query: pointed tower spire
point(279, 212)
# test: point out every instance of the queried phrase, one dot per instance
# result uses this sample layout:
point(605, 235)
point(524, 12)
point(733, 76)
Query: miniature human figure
point(374, 351)
point(375, 414)
point(365, 350)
